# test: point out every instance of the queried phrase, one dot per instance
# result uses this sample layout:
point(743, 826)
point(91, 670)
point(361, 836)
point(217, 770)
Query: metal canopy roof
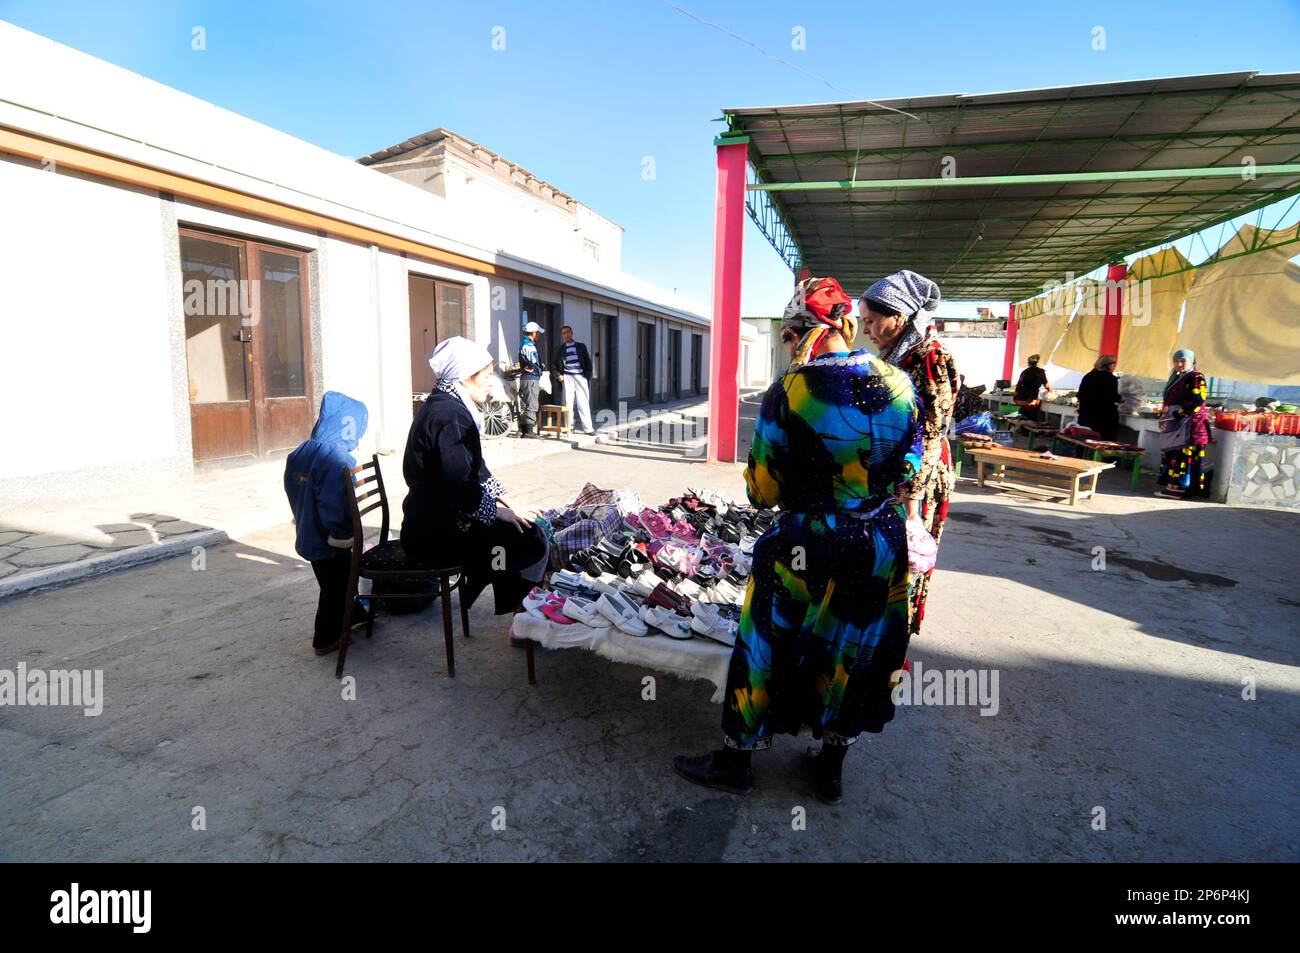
point(1006, 192)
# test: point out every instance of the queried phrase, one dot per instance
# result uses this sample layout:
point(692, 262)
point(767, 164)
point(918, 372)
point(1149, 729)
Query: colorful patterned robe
point(934, 375)
point(1182, 469)
point(824, 624)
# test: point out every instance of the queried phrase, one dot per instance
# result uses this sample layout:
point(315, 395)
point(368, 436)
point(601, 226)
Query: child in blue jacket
point(318, 491)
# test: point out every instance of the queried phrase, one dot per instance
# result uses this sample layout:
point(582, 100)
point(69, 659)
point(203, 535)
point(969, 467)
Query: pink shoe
point(553, 611)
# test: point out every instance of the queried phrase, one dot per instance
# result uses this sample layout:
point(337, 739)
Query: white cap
point(532, 327)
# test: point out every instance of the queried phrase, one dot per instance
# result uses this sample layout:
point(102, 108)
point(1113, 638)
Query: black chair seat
point(391, 557)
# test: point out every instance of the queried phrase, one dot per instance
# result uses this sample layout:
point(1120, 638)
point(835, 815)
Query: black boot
point(724, 770)
point(824, 770)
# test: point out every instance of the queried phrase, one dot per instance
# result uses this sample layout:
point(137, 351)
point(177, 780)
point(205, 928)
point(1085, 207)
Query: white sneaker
point(605, 582)
point(534, 601)
point(614, 607)
point(667, 622)
point(708, 622)
point(585, 611)
point(689, 588)
point(644, 582)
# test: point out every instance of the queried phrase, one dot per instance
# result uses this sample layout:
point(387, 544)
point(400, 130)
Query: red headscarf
point(818, 307)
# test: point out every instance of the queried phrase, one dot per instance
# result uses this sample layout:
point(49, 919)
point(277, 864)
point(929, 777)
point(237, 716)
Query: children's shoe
point(615, 607)
point(584, 611)
point(667, 622)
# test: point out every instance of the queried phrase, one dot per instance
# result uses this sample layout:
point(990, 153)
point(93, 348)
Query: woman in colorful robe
point(824, 624)
point(896, 316)
point(1182, 468)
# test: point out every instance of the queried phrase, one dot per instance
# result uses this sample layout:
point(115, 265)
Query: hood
point(342, 421)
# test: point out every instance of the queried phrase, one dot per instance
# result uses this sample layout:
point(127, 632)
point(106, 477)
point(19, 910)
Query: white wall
point(84, 319)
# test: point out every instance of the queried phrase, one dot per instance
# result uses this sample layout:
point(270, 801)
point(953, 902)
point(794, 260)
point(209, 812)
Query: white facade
point(91, 316)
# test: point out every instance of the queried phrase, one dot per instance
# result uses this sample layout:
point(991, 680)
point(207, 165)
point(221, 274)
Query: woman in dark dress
point(456, 511)
point(1099, 398)
point(1032, 380)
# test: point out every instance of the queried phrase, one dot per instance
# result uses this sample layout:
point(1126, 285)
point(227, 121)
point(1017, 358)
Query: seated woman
point(456, 512)
point(824, 625)
point(1099, 398)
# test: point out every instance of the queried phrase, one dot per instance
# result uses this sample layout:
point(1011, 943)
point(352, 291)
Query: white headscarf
point(455, 359)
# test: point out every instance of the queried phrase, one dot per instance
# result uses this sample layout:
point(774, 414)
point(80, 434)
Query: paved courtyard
point(1120, 691)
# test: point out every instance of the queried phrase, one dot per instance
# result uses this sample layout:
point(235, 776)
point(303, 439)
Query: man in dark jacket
point(573, 365)
point(318, 489)
point(531, 370)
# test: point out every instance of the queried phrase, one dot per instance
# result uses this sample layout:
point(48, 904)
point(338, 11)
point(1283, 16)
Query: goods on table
point(677, 572)
point(1257, 422)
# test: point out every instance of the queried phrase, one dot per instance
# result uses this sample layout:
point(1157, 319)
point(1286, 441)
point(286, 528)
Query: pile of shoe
point(680, 571)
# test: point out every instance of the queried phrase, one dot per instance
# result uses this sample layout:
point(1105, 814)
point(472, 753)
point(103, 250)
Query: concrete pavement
point(1120, 689)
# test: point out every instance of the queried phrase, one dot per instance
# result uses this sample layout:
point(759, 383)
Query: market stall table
point(697, 658)
point(1102, 450)
point(1059, 475)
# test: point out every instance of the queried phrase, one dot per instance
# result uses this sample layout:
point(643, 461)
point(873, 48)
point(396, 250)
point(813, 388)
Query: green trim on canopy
point(996, 196)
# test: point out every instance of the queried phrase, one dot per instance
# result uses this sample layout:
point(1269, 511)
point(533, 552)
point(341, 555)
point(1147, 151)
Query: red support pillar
point(1115, 277)
point(1009, 357)
point(724, 345)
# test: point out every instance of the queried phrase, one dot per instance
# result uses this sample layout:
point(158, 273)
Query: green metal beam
point(1050, 178)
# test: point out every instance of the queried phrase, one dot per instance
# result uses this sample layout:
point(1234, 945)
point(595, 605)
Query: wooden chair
point(387, 561)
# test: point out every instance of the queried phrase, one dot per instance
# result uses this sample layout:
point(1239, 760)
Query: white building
point(180, 284)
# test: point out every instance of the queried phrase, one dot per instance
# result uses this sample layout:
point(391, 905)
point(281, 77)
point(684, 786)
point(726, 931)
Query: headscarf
point(455, 359)
point(1103, 362)
point(912, 295)
point(819, 306)
point(1185, 354)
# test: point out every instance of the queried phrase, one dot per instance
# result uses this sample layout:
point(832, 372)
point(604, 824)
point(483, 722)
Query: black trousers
point(493, 555)
point(332, 574)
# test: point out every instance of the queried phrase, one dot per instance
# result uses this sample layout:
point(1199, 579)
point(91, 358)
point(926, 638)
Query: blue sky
point(583, 92)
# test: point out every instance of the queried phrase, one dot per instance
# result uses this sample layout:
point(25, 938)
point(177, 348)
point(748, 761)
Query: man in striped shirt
point(574, 372)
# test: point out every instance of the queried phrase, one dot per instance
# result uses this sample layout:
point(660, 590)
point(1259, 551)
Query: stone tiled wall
point(1266, 470)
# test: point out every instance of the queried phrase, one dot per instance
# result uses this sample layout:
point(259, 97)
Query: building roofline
point(440, 134)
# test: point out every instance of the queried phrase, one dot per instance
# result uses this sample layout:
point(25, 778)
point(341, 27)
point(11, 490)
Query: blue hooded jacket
point(314, 480)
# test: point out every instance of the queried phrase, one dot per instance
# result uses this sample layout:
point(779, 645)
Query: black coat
point(444, 472)
point(1098, 403)
point(557, 359)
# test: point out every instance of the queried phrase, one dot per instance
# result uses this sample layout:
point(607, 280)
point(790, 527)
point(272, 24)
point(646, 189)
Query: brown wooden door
point(247, 342)
point(437, 312)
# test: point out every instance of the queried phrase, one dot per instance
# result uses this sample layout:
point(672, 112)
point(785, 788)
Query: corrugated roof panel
point(1003, 239)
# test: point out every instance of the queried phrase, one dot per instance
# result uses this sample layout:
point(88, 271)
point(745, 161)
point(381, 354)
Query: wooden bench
point(1059, 476)
point(1104, 453)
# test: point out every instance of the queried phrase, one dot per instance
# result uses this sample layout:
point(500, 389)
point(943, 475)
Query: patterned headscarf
point(1182, 354)
point(911, 295)
point(819, 306)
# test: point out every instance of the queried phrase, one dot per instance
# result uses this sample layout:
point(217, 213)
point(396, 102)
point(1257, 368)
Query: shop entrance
point(645, 361)
point(247, 344)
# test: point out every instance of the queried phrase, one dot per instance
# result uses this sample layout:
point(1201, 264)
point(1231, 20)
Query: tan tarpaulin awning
point(1044, 323)
point(1151, 309)
point(1243, 315)
point(1078, 349)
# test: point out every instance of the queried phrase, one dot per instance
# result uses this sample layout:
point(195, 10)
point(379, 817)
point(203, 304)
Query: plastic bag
point(1132, 395)
point(922, 550)
point(545, 382)
point(981, 422)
